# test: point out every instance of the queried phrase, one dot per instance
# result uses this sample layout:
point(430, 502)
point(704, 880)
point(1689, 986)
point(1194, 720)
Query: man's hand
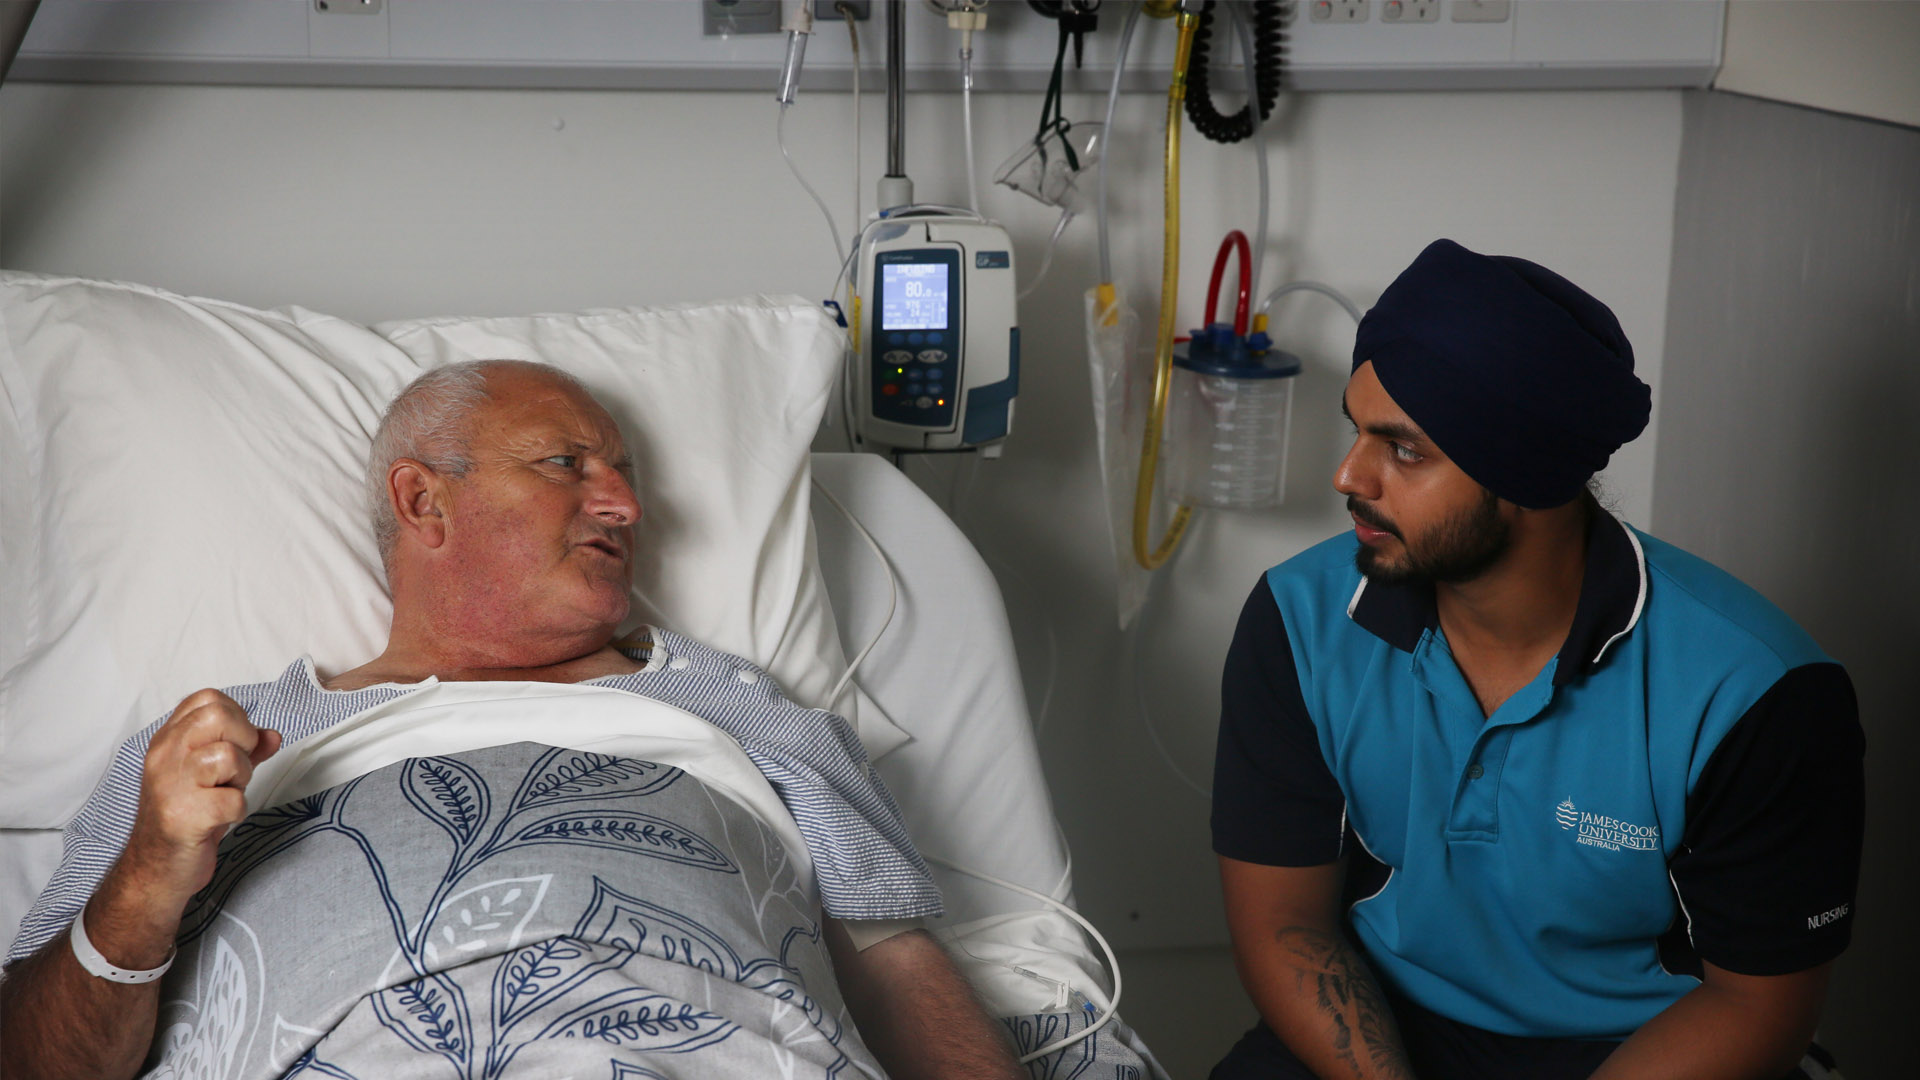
point(1730, 1027)
point(916, 1012)
point(192, 789)
point(56, 1019)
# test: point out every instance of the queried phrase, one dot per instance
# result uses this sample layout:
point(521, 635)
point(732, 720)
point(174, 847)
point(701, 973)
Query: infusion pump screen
point(913, 296)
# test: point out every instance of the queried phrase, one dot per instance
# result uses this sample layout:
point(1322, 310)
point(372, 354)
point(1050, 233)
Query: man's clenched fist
point(192, 788)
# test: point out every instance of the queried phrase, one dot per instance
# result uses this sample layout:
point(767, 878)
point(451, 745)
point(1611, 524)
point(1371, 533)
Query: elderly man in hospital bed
point(470, 871)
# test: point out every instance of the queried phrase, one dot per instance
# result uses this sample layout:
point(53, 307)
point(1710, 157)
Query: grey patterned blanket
point(521, 910)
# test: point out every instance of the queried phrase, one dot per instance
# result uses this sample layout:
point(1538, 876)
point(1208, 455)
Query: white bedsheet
point(447, 718)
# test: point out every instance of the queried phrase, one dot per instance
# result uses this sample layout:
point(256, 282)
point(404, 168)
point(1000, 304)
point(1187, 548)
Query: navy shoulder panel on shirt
point(1275, 801)
point(1771, 854)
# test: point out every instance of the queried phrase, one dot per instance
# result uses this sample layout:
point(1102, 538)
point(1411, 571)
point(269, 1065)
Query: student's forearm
point(1717, 1033)
point(1317, 993)
point(917, 1013)
point(59, 1021)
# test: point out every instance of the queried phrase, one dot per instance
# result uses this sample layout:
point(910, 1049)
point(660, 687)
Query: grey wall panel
point(1787, 437)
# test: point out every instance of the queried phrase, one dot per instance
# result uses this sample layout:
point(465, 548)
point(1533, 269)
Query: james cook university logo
point(1611, 834)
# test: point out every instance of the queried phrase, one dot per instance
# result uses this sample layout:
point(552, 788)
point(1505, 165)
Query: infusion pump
point(938, 364)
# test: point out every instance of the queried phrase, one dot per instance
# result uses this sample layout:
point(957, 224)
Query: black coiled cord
point(1270, 18)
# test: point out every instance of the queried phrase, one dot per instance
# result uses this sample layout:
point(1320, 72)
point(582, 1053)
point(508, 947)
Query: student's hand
point(192, 789)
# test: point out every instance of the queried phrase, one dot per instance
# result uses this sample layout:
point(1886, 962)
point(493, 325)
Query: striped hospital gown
point(865, 863)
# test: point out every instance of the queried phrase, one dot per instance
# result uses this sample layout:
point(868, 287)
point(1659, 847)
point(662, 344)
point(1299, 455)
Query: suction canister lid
point(1217, 350)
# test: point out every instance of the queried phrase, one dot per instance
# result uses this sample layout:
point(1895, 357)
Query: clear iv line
point(893, 592)
point(1113, 962)
point(780, 134)
point(1113, 96)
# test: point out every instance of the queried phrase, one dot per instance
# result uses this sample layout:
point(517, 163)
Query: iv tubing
point(966, 109)
point(1113, 962)
point(1149, 555)
point(1113, 96)
point(853, 31)
point(893, 593)
point(1046, 260)
point(1236, 241)
point(780, 134)
point(1336, 295)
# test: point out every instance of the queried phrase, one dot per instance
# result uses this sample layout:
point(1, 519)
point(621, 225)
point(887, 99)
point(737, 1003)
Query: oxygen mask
point(1049, 168)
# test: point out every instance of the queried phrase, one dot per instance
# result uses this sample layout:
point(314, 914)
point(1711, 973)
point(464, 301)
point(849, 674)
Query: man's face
point(1417, 515)
point(540, 531)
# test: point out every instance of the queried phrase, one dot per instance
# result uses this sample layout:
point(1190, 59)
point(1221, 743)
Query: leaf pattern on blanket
point(468, 966)
point(631, 923)
point(476, 918)
point(430, 1015)
point(644, 1020)
point(570, 775)
point(209, 1046)
point(449, 793)
point(262, 835)
point(627, 832)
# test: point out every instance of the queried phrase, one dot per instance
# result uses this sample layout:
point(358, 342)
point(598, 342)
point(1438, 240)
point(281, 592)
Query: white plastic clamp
point(100, 966)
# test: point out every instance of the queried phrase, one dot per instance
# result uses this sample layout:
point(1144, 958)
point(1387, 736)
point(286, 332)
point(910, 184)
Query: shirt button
point(749, 677)
point(1475, 772)
point(679, 663)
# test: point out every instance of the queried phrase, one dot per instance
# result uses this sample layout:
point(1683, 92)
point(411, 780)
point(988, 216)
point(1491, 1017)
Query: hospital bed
point(179, 498)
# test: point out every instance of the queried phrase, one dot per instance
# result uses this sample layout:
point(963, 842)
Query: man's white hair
point(428, 422)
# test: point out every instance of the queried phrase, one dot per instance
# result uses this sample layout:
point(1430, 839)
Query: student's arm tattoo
point(1349, 1000)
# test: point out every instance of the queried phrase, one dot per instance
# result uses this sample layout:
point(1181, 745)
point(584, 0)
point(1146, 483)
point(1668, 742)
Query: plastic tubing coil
point(1147, 553)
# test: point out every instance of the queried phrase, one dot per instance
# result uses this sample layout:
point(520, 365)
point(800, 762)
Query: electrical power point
point(1492, 11)
point(1338, 11)
point(829, 10)
point(725, 18)
point(1410, 11)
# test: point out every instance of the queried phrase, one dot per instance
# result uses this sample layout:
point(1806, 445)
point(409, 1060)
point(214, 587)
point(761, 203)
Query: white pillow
point(180, 499)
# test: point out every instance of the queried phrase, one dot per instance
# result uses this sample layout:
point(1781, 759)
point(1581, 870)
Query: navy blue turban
point(1516, 373)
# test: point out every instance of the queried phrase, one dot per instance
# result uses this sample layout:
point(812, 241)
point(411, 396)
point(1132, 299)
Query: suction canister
point(1227, 424)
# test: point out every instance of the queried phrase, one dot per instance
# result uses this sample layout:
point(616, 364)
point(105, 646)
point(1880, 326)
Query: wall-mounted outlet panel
point(1494, 11)
point(648, 44)
point(1338, 11)
point(1410, 11)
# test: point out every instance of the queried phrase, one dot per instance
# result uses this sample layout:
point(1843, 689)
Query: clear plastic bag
point(1122, 387)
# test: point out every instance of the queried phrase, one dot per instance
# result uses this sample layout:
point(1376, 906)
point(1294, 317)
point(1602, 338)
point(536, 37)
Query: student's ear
point(418, 497)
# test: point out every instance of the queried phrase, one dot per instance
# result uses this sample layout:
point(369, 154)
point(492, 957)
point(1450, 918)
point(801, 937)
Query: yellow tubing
point(1146, 553)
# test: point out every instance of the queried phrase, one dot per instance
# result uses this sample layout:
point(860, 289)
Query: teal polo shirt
point(1683, 782)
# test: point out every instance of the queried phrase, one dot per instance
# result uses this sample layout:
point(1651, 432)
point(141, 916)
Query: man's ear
point(418, 496)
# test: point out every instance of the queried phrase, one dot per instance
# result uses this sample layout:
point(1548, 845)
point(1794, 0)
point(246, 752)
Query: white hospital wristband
point(96, 964)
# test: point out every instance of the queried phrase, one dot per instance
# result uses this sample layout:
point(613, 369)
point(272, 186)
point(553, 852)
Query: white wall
point(376, 204)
